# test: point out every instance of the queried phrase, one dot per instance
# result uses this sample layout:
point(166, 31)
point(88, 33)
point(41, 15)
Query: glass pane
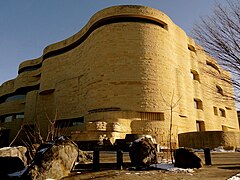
point(20, 116)
point(8, 119)
point(16, 97)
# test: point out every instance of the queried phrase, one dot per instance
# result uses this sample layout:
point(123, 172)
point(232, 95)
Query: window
point(104, 109)
point(219, 90)
point(11, 117)
point(198, 104)
point(200, 126)
point(16, 97)
point(215, 110)
point(195, 75)
point(30, 68)
point(8, 119)
point(222, 112)
point(19, 116)
point(69, 122)
point(152, 116)
point(212, 65)
point(191, 48)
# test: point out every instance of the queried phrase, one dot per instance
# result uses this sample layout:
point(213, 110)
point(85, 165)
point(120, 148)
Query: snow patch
point(236, 177)
point(170, 167)
point(218, 149)
point(221, 149)
point(18, 173)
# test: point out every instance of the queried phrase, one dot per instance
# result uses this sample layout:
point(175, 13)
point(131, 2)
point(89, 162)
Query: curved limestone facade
point(121, 74)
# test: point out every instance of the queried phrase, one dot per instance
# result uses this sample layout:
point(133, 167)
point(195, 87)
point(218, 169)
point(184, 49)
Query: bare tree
point(171, 105)
point(219, 35)
point(16, 136)
point(33, 134)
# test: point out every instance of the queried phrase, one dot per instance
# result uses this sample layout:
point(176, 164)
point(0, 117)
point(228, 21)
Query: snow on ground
point(170, 167)
point(218, 149)
point(236, 177)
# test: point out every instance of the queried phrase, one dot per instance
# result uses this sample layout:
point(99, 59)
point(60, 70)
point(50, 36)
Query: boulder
point(142, 152)
point(54, 160)
point(18, 152)
point(187, 158)
point(12, 159)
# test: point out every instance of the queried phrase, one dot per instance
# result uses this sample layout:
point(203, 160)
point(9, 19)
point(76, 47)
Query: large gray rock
point(187, 158)
point(142, 152)
point(55, 161)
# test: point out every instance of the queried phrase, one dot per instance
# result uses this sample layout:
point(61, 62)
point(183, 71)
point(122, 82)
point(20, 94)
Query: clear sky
point(28, 26)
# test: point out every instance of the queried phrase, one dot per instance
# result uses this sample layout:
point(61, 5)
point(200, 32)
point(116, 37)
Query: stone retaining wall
point(211, 139)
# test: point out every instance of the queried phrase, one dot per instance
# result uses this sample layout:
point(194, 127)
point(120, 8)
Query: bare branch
point(21, 127)
point(219, 35)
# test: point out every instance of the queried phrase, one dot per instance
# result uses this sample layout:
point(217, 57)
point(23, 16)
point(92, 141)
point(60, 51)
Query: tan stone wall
point(135, 66)
point(210, 139)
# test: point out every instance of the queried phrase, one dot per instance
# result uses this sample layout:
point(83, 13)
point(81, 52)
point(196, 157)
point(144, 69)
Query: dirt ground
point(224, 165)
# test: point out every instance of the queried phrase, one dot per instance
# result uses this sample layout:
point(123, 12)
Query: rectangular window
point(8, 119)
point(198, 104)
point(70, 122)
point(20, 116)
point(222, 112)
point(152, 116)
point(215, 110)
point(200, 126)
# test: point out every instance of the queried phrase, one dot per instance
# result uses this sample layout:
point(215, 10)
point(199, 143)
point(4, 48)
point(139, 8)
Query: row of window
point(200, 126)
point(199, 105)
point(12, 98)
point(79, 121)
point(20, 94)
point(30, 68)
point(219, 112)
point(69, 122)
point(11, 117)
point(104, 109)
point(195, 76)
point(193, 49)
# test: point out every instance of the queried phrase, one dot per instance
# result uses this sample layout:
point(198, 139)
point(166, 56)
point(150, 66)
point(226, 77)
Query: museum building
point(122, 73)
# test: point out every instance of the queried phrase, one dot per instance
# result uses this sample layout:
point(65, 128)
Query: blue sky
point(28, 26)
